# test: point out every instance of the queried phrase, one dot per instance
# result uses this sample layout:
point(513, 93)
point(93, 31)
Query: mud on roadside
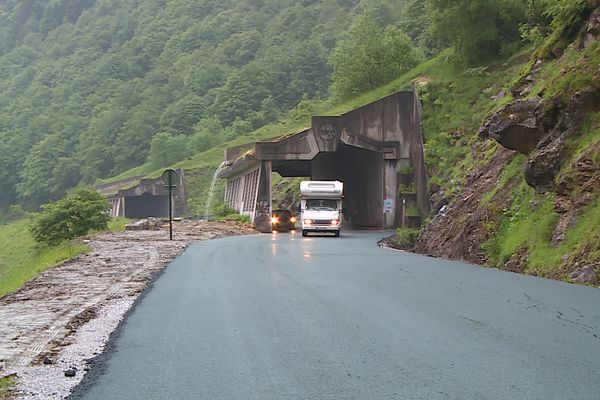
point(65, 316)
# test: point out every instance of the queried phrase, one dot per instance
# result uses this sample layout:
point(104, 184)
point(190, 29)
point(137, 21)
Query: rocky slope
point(534, 207)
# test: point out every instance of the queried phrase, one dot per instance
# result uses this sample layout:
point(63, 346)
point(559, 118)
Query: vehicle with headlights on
point(321, 206)
point(283, 220)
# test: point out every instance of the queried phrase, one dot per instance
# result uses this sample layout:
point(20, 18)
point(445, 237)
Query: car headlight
point(335, 222)
point(307, 221)
point(293, 219)
point(274, 220)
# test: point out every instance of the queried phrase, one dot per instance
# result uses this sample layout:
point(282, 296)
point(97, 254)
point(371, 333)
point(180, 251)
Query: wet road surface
point(285, 317)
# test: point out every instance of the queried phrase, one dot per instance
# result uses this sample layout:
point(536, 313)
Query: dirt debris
point(66, 314)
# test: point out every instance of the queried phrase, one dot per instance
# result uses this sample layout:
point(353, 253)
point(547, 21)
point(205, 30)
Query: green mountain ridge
point(93, 88)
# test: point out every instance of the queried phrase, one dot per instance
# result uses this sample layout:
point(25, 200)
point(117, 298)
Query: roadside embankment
point(64, 317)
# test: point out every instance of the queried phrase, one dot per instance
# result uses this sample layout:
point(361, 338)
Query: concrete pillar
point(262, 219)
point(390, 195)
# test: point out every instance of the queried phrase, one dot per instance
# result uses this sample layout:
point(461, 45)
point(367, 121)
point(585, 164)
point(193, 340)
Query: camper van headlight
point(307, 221)
point(335, 222)
point(293, 219)
point(274, 220)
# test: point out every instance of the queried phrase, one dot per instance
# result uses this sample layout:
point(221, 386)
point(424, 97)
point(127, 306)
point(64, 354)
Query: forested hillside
point(91, 88)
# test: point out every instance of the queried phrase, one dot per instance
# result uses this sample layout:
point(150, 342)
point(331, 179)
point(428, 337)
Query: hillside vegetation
point(107, 90)
point(92, 88)
point(524, 193)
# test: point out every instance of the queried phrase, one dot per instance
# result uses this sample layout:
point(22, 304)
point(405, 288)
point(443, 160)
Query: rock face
point(543, 165)
point(540, 129)
point(593, 28)
point(461, 227)
point(516, 126)
point(586, 275)
point(574, 190)
point(544, 130)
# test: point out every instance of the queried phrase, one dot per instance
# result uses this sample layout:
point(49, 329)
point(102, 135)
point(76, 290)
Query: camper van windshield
point(321, 204)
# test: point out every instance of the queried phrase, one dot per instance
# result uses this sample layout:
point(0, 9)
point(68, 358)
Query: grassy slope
point(21, 260)
point(528, 224)
point(213, 157)
point(6, 387)
point(449, 115)
point(456, 102)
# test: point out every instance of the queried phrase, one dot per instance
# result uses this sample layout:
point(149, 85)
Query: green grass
point(582, 240)
point(528, 223)
point(213, 157)
point(511, 171)
point(6, 387)
point(530, 220)
point(117, 224)
point(574, 71)
point(22, 259)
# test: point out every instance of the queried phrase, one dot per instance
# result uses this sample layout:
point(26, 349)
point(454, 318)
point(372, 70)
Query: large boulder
point(592, 31)
point(543, 165)
point(515, 126)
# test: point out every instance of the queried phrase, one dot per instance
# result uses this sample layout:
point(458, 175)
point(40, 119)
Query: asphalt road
point(286, 317)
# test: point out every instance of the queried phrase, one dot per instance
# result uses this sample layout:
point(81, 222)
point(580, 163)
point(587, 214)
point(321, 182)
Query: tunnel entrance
point(146, 205)
point(361, 172)
point(376, 150)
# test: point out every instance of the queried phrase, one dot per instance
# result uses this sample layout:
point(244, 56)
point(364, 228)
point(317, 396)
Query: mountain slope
point(92, 88)
point(532, 204)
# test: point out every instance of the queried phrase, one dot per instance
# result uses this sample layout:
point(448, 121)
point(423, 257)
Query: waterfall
point(211, 192)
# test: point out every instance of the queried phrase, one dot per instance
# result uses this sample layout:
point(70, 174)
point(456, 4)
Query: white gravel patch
point(68, 313)
point(49, 381)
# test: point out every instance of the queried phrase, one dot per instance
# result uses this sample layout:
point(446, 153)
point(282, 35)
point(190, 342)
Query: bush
point(71, 217)
point(407, 237)
point(223, 212)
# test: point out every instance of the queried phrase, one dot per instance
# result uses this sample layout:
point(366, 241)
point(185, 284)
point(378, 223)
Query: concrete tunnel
point(139, 197)
point(376, 150)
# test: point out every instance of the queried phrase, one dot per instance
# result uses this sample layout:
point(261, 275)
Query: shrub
point(223, 212)
point(407, 237)
point(71, 217)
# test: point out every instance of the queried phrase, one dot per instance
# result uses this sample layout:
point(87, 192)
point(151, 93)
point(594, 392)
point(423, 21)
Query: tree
point(167, 149)
point(370, 57)
point(71, 217)
point(479, 30)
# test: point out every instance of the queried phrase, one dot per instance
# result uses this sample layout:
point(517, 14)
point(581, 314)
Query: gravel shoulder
point(54, 324)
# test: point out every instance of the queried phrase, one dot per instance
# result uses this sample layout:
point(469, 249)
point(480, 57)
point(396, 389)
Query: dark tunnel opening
point(361, 171)
point(146, 205)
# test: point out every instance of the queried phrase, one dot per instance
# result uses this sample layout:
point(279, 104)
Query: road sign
point(169, 177)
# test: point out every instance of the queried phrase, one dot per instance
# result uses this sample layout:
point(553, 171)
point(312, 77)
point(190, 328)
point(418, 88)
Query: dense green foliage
point(71, 217)
point(480, 30)
point(370, 57)
point(92, 88)
point(486, 30)
point(406, 238)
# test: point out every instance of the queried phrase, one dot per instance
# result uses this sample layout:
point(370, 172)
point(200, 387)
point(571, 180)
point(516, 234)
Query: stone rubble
point(60, 320)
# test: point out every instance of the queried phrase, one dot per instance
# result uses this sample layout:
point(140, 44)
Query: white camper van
point(321, 206)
